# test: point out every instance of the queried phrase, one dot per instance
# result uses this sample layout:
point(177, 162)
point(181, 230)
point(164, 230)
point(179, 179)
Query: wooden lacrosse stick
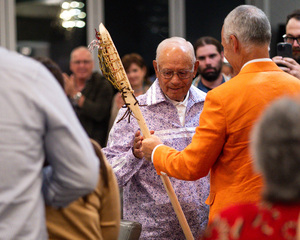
point(112, 68)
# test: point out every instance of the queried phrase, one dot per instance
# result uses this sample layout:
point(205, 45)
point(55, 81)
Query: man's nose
point(208, 61)
point(175, 79)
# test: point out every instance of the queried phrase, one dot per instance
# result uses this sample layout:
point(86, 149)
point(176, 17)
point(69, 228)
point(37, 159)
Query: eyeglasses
point(290, 39)
point(182, 74)
point(83, 61)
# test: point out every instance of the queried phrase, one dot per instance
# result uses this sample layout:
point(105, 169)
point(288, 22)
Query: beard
point(213, 75)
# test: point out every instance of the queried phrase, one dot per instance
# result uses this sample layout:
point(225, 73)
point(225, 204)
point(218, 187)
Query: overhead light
point(74, 4)
point(79, 24)
point(72, 14)
point(82, 15)
point(65, 5)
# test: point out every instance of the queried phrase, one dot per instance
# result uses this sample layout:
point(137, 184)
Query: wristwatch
point(75, 98)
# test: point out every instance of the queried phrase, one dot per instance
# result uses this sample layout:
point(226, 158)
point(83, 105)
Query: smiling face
point(136, 75)
point(81, 64)
point(175, 59)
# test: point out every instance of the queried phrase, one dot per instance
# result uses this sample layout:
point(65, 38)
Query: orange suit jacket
point(220, 144)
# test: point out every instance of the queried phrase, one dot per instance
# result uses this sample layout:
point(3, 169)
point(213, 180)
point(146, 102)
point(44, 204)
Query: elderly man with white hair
point(172, 107)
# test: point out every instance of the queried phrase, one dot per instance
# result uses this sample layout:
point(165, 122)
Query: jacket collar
point(259, 66)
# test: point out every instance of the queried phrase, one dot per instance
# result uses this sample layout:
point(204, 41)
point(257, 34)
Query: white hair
point(176, 41)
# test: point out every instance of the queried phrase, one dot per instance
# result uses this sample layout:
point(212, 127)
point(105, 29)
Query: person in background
point(172, 106)
point(90, 93)
point(220, 144)
point(137, 75)
point(292, 36)
point(38, 122)
point(53, 68)
point(276, 154)
point(210, 55)
point(227, 70)
point(94, 216)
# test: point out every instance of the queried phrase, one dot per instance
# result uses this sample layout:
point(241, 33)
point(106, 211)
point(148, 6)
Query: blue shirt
point(198, 83)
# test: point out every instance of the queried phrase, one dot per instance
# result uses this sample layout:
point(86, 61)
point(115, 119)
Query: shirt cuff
point(152, 154)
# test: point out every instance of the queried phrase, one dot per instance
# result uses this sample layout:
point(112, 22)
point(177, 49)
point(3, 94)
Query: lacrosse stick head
point(113, 70)
point(110, 62)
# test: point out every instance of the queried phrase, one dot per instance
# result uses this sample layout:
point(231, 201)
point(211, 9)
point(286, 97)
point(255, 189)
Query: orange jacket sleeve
point(198, 157)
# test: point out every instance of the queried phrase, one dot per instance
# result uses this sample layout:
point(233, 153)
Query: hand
point(137, 144)
point(70, 89)
point(149, 144)
point(290, 65)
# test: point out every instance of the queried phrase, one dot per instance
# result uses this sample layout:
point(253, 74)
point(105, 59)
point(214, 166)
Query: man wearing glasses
point(90, 94)
point(172, 107)
point(292, 36)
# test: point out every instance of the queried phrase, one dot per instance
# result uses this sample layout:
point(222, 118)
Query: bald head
point(81, 63)
point(79, 50)
point(173, 43)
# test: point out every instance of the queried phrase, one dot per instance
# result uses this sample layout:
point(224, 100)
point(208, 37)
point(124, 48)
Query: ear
point(196, 66)
point(235, 43)
point(155, 68)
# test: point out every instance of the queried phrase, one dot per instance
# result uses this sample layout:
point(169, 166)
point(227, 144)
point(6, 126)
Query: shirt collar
point(155, 95)
point(184, 102)
point(257, 60)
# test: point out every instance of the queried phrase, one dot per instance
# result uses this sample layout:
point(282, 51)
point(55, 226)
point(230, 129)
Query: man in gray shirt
point(37, 122)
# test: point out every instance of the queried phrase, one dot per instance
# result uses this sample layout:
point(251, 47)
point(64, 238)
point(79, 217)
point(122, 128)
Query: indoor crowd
point(224, 119)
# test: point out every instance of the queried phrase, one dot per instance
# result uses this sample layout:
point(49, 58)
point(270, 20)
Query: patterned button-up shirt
point(144, 198)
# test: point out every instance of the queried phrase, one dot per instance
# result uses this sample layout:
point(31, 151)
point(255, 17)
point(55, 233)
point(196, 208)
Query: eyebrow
point(209, 55)
point(290, 35)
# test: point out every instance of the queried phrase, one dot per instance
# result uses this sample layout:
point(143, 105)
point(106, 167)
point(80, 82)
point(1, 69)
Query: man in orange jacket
point(220, 144)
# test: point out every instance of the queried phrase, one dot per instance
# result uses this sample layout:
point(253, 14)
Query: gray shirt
point(37, 122)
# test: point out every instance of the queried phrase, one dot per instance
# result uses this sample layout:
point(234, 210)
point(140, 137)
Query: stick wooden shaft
point(177, 208)
point(127, 92)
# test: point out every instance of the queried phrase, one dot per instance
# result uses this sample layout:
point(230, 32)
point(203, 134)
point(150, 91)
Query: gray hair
point(175, 41)
point(275, 148)
point(249, 24)
point(80, 48)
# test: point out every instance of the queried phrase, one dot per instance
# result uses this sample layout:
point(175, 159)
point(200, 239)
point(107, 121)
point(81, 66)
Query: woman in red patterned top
point(275, 147)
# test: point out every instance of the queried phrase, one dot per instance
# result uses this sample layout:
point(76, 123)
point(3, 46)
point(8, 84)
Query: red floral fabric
point(250, 221)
